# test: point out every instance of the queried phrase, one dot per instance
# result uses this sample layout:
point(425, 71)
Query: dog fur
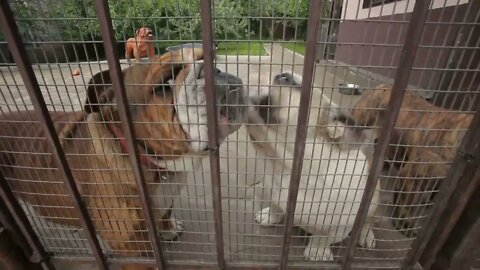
point(333, 174)
point(101, 169)
point(141, 45)
point(421, 167)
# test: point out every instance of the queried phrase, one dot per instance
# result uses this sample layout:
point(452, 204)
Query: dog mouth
point(228, 124)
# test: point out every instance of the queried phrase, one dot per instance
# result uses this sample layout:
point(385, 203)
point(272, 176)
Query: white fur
point(333, 179)
point(191, 110)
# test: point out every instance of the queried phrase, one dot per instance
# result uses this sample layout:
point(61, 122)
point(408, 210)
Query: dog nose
point(229, 93)
point(285, 78)
point(344, 118)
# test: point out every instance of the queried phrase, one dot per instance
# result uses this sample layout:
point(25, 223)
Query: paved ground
point(244, 240)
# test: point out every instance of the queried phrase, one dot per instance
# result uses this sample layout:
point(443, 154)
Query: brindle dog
point(425, 139)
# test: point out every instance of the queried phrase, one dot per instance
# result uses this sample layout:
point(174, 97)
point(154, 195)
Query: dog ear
point(99, 91)
point(140, 78)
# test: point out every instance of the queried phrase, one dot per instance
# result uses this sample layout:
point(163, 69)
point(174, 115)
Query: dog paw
point(266, 218)
point(367, 238)
point(176, 229)
point(313, 253)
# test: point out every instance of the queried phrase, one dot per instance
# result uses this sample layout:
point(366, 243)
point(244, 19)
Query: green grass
point(298, 47)
point(241, 48)
point(224, 48)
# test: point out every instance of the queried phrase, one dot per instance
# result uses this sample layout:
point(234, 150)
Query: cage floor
point(244, 240)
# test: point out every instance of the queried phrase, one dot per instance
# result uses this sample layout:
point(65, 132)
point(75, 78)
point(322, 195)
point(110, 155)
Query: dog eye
point(217, 71)
point(161, 89)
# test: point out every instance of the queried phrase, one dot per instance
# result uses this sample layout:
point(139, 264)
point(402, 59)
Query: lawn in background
point(241, 48)
point(298, 47)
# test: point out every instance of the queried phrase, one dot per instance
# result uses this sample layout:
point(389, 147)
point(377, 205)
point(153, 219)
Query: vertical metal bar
point(21, 222)
point(465, 251)
point(301, 132)
point(207, 41)
point(108, 36)
point(10, 30)
point(407, 58)
point(463, 178)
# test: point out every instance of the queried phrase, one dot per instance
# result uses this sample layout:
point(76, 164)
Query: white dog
point(334, 171)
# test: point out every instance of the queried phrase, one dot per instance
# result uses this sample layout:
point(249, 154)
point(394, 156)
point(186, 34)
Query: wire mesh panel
point(292, 79)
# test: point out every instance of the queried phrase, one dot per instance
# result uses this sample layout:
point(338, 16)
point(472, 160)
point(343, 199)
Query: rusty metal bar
point(461, 181)
point(301, 132)
point(213, 144)
point(465, 252)
point(20, 221)
point(10, 30)
point(407, 58)
point(244, 265)
point(108, 36)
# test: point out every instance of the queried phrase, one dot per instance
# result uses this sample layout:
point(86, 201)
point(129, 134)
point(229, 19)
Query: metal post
point(208, 56)
point(409, 51)
point(301, 132)
point(461, 181)
point(21, 222)
point(103, 13)
point(10, 30)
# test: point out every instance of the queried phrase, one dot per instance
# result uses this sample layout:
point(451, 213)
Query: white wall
point(352, 9)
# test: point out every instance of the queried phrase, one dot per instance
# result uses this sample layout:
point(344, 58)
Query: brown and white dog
point(424, 141)
point(170, 125)
point(141, 45)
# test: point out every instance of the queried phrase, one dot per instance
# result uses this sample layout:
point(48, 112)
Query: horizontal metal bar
point(108, 36)
point(461, 181)
point(10, 31)
point(245, 265)
point(413, 38)
point(302, 126)
point(212, 123)
point(21, 222)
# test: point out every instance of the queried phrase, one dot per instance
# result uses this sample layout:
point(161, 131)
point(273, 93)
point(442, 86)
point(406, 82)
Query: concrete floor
point(244, 239)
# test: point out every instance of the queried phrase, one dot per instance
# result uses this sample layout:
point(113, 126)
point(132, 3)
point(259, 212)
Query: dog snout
point(230, 96)
point(286, 78)
point(344, 118)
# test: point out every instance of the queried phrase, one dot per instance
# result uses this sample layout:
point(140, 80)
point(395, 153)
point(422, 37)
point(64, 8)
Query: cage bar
point(414, 35)
point(15, 45)
point(301, 131)
point(212, 123)
point(20, 221)
point(106, 28)
point(462, 181)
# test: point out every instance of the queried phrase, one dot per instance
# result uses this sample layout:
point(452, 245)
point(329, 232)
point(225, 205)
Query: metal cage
point(49, 50)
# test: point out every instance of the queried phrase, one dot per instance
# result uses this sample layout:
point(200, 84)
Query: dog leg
point(269, 216)
point(318, 249)
point(367, 238)
point(170, 228)
point(176, 229)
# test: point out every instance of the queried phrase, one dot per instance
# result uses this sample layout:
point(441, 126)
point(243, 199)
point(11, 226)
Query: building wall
point(352, 9)
point(375, 43)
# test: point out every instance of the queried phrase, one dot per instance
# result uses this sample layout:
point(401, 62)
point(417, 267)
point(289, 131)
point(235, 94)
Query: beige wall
point(352, 9)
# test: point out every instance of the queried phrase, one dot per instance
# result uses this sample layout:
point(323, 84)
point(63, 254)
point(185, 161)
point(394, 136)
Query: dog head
point(275, 106)
point(168, 104)
point(371, 106)
point(144, 33)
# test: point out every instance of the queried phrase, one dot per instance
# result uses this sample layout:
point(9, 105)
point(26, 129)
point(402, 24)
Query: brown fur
point(103, 176)
point(427, 125)
point(141, 45)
